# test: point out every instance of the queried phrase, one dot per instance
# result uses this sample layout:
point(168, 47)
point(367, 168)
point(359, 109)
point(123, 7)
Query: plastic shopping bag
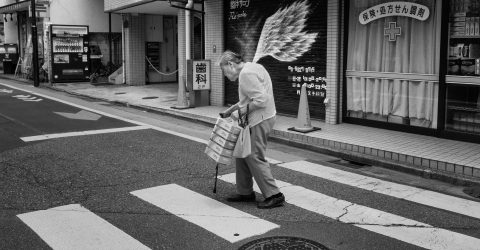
point(243, 148)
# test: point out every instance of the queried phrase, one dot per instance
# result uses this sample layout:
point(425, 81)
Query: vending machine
point(9, 57)
point(70, 56)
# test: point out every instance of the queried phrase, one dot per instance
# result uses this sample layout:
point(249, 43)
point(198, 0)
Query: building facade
point(103, 37)
point(412, 66)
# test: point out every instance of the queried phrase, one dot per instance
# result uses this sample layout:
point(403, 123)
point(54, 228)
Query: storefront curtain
point(395, 81)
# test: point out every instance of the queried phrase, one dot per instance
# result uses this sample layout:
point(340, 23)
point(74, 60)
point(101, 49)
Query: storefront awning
point(14, 7)
point(153, 7)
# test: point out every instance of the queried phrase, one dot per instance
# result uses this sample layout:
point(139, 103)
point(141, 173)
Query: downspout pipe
point(182, 102)
point(188, 52)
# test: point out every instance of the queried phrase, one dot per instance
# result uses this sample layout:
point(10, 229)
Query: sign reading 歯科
point(201, 74)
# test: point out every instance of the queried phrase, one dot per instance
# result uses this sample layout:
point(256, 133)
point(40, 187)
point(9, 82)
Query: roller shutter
point(244, 23)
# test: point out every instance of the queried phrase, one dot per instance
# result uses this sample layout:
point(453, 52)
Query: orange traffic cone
point(304, 125)
point(182, 102)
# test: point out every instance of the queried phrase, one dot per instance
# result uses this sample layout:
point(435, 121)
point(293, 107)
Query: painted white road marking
point(391, 225)
point(75, 227)
point(272, 161)
point(418, 195)
point(80, 115)
point(33, 100)
point(112, 116)
point(21, 96)
point(225, 221)
point(80, 133)
point(27, 98)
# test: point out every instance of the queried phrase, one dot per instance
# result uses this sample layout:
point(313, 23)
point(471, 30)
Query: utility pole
point(35, 44)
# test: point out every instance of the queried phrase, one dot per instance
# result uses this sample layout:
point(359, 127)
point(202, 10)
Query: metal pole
point(35, 45)
point(110, 38)
point(216, 177)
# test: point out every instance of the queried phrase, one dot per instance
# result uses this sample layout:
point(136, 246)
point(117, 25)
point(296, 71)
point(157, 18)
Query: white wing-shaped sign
point(406, 9)
point(283, 35)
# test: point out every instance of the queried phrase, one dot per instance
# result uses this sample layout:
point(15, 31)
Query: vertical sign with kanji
point(201, 74)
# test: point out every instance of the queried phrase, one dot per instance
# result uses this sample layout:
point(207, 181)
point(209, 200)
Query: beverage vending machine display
point(70, 53)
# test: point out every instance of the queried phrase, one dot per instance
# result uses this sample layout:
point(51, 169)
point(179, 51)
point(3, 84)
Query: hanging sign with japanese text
point(201, 74)
point(406, 9)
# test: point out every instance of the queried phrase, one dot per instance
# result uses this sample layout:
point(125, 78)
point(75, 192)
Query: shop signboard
point(287, 37)
point(406, 9)
point(201, 74)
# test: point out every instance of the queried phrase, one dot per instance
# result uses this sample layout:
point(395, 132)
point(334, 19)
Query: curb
point(348, 155)
point(161, 111)
point(297, 141)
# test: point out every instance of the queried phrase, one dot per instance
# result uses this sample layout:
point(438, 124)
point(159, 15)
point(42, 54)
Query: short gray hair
point(229, 56)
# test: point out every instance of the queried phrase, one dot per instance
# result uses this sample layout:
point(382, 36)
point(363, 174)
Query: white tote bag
point(243, 147)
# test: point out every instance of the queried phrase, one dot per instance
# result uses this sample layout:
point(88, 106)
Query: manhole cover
point(120, 93)
point(150, 97)
point(473, 191)
point(283, 242)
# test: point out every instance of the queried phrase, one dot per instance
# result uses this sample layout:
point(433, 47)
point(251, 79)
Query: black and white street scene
point(239, 124)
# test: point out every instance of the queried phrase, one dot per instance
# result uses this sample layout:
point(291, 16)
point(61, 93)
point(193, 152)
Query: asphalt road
point(100, 171)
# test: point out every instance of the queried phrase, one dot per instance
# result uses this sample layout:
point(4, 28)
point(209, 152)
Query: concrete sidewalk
point(448, 160)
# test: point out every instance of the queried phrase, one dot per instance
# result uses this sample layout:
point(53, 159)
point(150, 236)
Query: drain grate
point(150, 97)
point(283, 242)
point(350, 164)
point(473, 191)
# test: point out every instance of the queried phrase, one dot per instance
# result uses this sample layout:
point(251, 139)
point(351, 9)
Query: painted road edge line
point(75, 227)
point(422, 196)
point(391, 225)
point(81, 133)
point(227, 222)
point(192, 138)
point(110, 115)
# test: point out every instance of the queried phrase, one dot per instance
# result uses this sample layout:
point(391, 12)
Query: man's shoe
point(272, 201)
point(241, 198)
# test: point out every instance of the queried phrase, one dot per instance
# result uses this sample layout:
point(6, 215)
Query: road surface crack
point(345, 212)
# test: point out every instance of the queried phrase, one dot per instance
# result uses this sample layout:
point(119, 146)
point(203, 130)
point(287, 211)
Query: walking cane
point(216, 177)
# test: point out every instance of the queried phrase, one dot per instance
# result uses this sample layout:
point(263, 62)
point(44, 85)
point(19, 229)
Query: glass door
point(392, 73)
point(463, 71)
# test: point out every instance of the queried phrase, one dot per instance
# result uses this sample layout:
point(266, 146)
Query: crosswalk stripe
point(273, 161)
point(418, 195)
point(225, 221)
point(391, 225)
point(75, 227)
point(81, 133)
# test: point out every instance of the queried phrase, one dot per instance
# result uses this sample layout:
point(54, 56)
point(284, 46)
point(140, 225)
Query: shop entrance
point(400, 75)
point(288, 38)
point(161, 50)
point(392, 71)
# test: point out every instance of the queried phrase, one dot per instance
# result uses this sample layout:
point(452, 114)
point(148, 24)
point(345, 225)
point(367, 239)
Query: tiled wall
point(333, 61)
point(135, 49)
point(214, 36)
